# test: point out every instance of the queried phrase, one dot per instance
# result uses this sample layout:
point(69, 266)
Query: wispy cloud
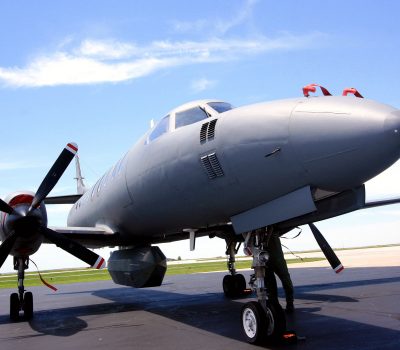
point(244, 14)
point(202, 84)
point(218, 26)
point(111, 61)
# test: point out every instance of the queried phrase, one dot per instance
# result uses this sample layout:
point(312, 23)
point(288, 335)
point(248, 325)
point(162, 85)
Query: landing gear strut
point(234, 285)
point(262, 320)
point(21, 301)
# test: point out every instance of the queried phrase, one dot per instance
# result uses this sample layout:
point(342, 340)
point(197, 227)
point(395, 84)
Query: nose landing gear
point(21, 301)
point(262, 320)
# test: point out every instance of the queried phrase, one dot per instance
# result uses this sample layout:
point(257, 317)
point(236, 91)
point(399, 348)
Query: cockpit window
point(161, 128)
point(220, 107)
point(189, 116)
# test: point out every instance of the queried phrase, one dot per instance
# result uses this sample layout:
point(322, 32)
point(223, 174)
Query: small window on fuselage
point(189, 116)
point(161, 128)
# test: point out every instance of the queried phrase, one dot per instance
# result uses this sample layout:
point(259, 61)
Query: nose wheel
point(21, 301)
point(263, 320)
point(262, 324)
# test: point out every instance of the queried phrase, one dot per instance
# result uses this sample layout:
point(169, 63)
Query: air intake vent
point(212, 166)
point(203, 133)
point(211, 129)
point(207, 132)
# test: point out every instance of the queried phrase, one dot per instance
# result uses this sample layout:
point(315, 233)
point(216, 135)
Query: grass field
point(90, 275)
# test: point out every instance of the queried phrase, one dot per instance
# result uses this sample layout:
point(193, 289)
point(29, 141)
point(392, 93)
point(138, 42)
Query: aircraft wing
point(91, 237)
point(382, 202)
point(71, 199)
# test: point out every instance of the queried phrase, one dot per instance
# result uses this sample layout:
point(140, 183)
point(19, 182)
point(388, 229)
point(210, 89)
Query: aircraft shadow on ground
point(212, 312)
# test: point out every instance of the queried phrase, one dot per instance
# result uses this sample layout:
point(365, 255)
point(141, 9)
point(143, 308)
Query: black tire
point(276, 321)
point(263, 326)
point(240, 283)
point(28, 305)
point(14, 307)
point(228, 285)
point(233, 286)
point(254, 323)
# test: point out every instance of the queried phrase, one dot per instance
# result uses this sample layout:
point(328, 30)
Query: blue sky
point(96, 72)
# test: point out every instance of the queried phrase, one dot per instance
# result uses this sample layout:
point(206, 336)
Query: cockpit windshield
point(161, 128)
point(220, 107)
point(189, 116)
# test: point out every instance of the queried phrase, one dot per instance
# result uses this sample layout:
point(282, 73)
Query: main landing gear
point(234, 285)
point(262, 320)
point(21, 301)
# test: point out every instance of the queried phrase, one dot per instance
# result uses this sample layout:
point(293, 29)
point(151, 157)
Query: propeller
point(54, 174)
point(6, 247)
point(74, 248)
point(5, 208)
point(326, 249)
point(48, 183)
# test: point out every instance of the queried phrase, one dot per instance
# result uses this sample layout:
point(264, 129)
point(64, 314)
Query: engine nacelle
point(29, 239)
point(138, 267)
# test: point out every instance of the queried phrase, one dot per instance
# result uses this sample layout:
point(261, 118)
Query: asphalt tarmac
point(358, 309)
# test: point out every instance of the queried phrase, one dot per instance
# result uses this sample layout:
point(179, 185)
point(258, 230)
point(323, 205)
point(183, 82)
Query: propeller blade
point(74, 248)
point(326, 249)
point(54, 174)
point(6, 246)
point(5, 208)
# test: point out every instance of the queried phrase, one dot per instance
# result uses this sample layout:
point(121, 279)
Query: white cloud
point(240, 17)
point(111, 61)
point(202, 84)
point(106, 49)
point(217, 26)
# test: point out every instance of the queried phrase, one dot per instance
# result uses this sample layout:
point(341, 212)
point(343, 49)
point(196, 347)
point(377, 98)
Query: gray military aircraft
point(209, 169)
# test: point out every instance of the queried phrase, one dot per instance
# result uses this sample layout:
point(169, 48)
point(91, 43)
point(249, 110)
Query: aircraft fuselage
point(194, 177)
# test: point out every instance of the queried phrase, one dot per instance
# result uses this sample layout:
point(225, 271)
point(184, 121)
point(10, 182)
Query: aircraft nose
point(392, 128)
point(343, 150)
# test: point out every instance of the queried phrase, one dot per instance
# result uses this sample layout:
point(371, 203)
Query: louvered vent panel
point(211, 129)
point(208, 167)
point(216, 166)
point(203, 133)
